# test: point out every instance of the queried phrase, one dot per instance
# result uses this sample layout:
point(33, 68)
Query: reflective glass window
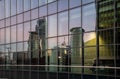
point(7, 35)
point(2, 36)
point(7, 22)
point(27, 16)
point(26, 5)
point(52, 25)
point(19, 18)
point(87, 1)
point(13, 7)
point(26, 47)
point(19, 6)
point(51, 1)
point(74, 3)
point(43, 11)
point(13, 33)
point(52, 8)
point(34, 3)
point(42, 2)
point(75, 18)
point(63, 23)
point(13, 20)
point(7, 3)
point(89, 17)
point(62, 5)
point(26, 30)
point(20, 49)
point(52, 43)
point(2, 9)
point(2, 23)
point(34, 13)
point(33, 25)
point(89, 38)
point(63, 41)
point(20, 32)
point(13, 48)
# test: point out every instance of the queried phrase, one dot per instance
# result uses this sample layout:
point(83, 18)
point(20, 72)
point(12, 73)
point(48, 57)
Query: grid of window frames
point(79, 39)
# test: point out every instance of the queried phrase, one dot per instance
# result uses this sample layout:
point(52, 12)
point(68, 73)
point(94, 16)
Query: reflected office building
point(59, 39)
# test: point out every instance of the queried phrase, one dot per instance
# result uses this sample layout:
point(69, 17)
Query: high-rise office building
point(44, 39)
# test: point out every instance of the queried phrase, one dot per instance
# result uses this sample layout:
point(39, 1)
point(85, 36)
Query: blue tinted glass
point(74, 3)
point(13, 7)
point(62, 5)
point(26, 5)
point(34, 3)
point(19, 6)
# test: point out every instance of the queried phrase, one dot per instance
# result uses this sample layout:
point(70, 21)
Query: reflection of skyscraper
point(76, 42)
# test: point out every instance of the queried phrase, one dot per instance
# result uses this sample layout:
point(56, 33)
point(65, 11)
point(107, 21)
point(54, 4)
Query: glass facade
point(60, 39)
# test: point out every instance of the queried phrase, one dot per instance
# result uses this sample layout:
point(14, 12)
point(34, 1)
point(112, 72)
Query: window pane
point(26, 47)
point(63, 23)
point(52, 25)
point(52, 43)
point(20, 32)
point(51, 1)
point(26, 30)
point(63, 41)
point(87, 1)
point(43, 11)
point(2, 36)
point(13, 34)
point(7, 22)
point(75, 18)
point(7, 3)
point(13, 48)
point(2, 23)
point(26, 5)
point(2, 9)
point(13, 7)
point(19, 18)
point(42, 2)
point(89, 39)
point(34, 3)
point(19, 6)
point(89, 17)
point(27, 16)
point(33, 25)
point(8, 35)
point(13, 20)
point(52, 8)
point(34, 13)
point(62, 5)
point(74, 3)
point(19, 48)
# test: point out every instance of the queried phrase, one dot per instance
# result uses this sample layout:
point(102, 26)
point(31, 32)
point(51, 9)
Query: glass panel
point(8, 35)
point(7, 22)
point(2, 50)
point(63, 41)
point(43, 11)
point(2, 36)
point(27, 16)
point(33, 25)
point(34, 14)
point(52, 8)
point(20, 32)
point(106, 59)
point(13, 53)
point(26, 5)
point(34, 3)
point(52, 43)
point(89, 58)
point(52, 24)
point(2, 23)
point(13, 20)
point(106, 37)
point(7, 55)
point(63, 23)
point(51, 1)
point(62, 5)
point(89, 39)
point(7, 3)
point(89, 17)
point(87, 1)
point(106, 14)
point(13, 7)
point(13, 33)
point(26, 31)
point(42, 2)
point(74, 3)
point(75, 18)
point(19, 18)
point(2, 9)
point(26, 47)
point(118, 13)
point(19, 6)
